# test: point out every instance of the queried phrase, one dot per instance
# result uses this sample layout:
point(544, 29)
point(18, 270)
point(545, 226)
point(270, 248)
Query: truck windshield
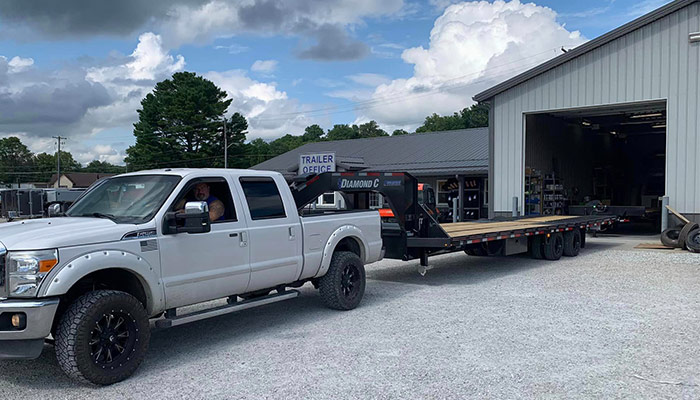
point(125, 199)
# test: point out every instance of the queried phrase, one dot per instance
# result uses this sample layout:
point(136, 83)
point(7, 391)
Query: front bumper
point(26, 343)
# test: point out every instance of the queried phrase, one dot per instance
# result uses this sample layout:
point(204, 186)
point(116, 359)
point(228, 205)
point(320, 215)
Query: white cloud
point(269, 111)
point(18, 63)
point(473, 45)
point(264, 66)
point(369, 79)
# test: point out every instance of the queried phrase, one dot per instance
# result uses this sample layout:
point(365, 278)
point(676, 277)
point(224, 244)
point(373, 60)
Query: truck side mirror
point(54, 210)
point(195, 219)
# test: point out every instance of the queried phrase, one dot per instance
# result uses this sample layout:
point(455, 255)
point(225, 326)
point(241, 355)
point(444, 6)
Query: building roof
point(584, 48)
point(463, 151)
point(80, 179)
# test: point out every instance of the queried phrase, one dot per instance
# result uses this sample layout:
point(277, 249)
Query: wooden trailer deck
point(522, 226)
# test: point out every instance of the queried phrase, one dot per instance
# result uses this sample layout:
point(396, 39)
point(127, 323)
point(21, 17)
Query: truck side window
point(263, 197)
point(218, 190)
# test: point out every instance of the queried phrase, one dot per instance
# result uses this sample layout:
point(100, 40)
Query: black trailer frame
point(416, 233)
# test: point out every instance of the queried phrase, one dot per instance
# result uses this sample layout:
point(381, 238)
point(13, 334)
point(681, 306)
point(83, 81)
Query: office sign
point(316, 163)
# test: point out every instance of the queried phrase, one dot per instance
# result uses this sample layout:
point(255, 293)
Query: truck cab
point(139, 246)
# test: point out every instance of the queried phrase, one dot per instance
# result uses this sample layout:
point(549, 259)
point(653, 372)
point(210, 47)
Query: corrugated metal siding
point(655, 62)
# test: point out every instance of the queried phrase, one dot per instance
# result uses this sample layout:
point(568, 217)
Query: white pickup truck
point(138, 246)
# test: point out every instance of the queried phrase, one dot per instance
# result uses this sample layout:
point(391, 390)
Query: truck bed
point(481, 231)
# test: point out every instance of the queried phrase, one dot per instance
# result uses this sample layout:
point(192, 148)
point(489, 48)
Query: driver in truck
point(202, 192)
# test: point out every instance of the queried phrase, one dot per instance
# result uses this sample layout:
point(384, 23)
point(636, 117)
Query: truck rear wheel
point(572, 243)
point(554, 246)
point(343, 286)
point(102, 337)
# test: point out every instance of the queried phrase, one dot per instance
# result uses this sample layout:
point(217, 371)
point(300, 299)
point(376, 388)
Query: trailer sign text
point(358, 183)
point(316, 163)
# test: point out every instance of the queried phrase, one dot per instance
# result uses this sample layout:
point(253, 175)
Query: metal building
point(615, 118)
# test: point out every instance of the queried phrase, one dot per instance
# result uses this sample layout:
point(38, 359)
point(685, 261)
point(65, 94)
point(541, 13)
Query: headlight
point(26, 270)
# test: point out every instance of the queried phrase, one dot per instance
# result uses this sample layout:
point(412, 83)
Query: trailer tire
point(536, 247)
point(343, 286)
point(692, 243)
point(572, 243)
point(86, 328)
point(683, 235)
point(670, 236)
point(554, 246)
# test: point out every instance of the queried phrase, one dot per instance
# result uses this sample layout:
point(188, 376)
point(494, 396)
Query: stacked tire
point(683, 236)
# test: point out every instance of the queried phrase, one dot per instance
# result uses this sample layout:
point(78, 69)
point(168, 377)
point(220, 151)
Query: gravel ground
point(612, 323)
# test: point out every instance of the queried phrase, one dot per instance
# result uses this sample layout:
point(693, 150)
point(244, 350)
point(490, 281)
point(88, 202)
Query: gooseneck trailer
point(414, 233)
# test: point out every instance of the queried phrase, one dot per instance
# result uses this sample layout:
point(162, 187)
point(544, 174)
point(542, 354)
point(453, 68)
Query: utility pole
point(225, 145)
point(58, 160)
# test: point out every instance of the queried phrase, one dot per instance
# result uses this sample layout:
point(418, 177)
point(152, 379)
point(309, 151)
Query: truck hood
point(48, 233)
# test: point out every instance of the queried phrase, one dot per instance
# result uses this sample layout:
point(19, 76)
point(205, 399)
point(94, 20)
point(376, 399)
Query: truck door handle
point(234, 234)
point(244, 239)
point(291, 233)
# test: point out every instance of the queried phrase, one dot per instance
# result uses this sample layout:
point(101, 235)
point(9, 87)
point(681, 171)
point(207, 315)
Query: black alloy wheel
point(350, 281)
point(113, 339)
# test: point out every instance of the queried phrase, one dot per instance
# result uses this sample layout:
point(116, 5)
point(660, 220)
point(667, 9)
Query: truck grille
point(3, 290)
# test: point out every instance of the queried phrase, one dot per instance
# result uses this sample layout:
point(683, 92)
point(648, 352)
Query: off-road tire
point(78, 326)
point(343, 286)
point(692, 243)
point(536, 247)
point(572, 243)
point(683, 235)
point(670, 236)
point(553, 247)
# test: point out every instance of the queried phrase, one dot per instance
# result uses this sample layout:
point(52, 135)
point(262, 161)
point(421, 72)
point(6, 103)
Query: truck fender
point(59, 282)
point(335, 238)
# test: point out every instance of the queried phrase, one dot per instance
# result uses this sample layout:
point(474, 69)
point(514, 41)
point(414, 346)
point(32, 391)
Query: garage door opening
point(598, 160)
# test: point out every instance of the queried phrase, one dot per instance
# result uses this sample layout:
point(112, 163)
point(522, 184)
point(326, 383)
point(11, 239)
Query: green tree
point(342, 132)
point(45, 165)
point(15, 161)
point(103, 167)
point(476, 116)
point(313, 133)
point(399, 132)
point(370, 129)
point(181, 124)
point(257, 151)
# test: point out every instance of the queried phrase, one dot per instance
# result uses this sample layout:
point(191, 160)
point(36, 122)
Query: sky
point(79, 68)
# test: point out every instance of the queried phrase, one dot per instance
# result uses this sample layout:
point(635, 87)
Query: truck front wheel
point(102, 337)
point(343, 286)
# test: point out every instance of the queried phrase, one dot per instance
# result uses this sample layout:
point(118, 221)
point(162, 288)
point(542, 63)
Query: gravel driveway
point(612, 323)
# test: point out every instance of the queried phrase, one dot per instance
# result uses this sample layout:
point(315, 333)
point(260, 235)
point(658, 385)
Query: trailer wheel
point(683, 235)
point(343, 286)
point(572, 243)
point(536, 247)
point(669, 237)
point(554, 246)
point(102, 337)
point(693, 241)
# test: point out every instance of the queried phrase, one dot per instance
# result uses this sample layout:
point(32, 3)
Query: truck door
point(274, 231)
point(203, 266)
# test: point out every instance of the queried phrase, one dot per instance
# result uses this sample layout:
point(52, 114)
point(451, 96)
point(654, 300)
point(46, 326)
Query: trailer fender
point(345, 231)
point(61, 281)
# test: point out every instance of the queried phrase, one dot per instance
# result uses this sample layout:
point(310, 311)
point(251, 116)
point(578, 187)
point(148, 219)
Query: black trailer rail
point(417, 234)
